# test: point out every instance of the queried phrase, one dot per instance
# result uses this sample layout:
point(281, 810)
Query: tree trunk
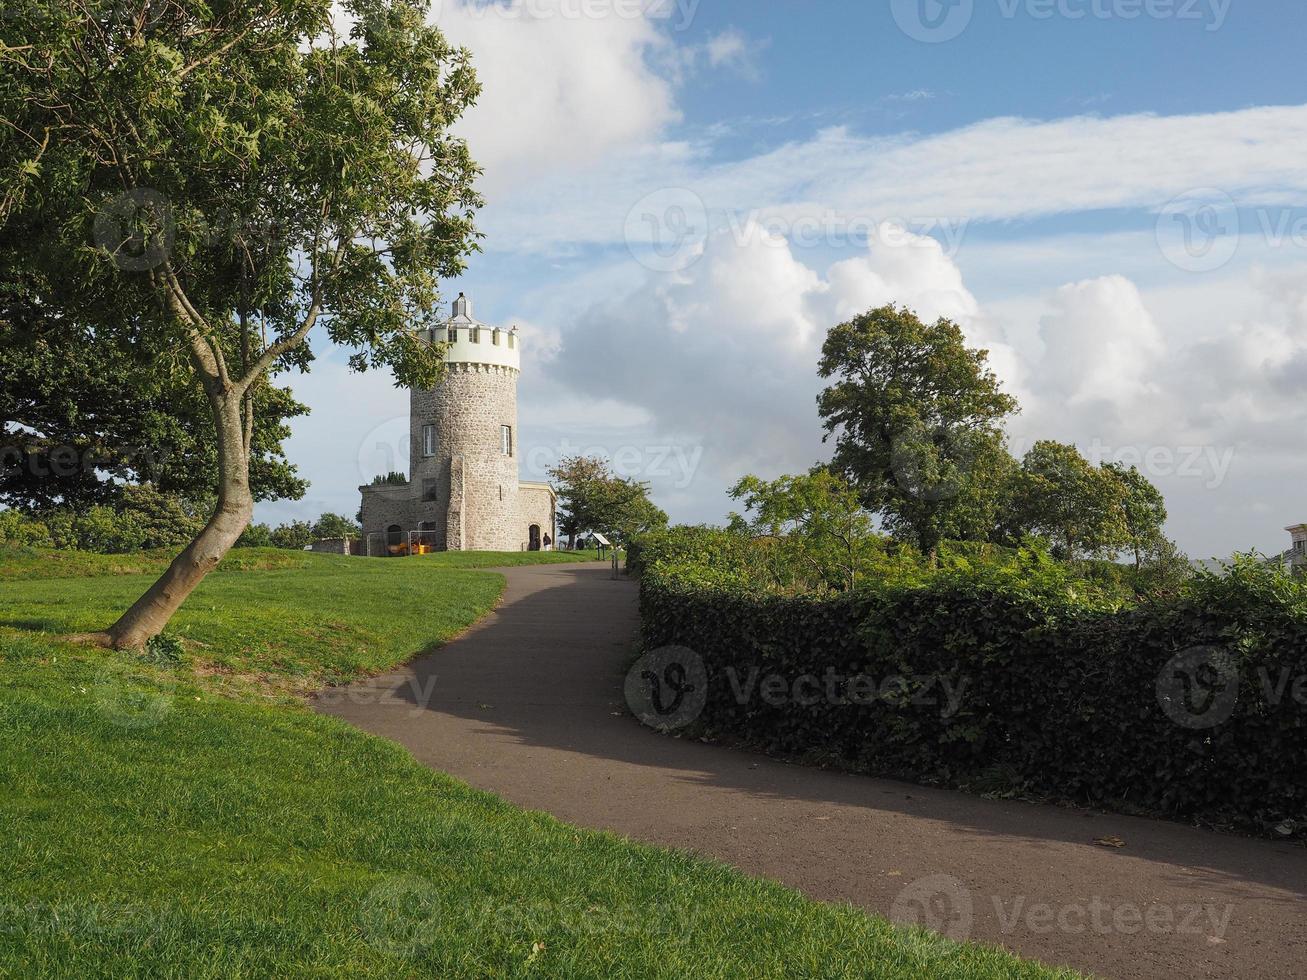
point(152, 611)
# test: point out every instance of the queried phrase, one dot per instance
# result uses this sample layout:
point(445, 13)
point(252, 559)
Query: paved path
point(529, 705)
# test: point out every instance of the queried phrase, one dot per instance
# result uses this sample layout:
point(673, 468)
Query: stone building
point(1296, 557)
point(463, 492)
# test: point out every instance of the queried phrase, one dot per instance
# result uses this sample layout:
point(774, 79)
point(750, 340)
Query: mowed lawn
point(187, 816)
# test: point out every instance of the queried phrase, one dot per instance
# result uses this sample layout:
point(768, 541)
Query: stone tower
point(463, 492)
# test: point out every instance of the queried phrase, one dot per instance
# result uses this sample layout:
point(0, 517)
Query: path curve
point(528, 705)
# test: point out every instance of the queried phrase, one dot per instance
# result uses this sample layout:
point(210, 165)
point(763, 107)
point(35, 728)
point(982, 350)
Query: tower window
point(428, 440)
point(506, 439)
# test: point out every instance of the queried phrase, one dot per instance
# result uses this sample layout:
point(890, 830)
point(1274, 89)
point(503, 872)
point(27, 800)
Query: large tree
point(917, 418)
point(1060, 495)
point(592, 498)
point(213, 183)
point(1143, 514)
point(814, 521)
point(79, 419)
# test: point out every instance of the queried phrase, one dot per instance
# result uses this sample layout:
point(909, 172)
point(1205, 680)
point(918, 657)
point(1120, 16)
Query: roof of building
point(533, 485)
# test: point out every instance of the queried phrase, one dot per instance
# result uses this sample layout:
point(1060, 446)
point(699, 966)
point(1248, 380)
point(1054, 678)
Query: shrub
point(255, 536)
point(297, 535)
point(139, 520)
point(1016, 669)
point(16, 528)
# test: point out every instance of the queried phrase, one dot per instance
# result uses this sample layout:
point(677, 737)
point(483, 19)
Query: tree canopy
point(1087, 510)
point(213, 184)
point(917, 419)
point(814, 520)
point(77, 418)
point(592, 498)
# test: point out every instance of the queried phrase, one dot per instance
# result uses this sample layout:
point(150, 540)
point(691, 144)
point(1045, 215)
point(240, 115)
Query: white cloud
point(558, 90)
point(997, 170)
point(728, 48)
point(1101, 345)
point(723, 355)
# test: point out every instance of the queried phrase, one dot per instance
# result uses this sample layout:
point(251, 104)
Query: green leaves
point(592, 498)
point(254, 111)
point(1072, 696)
point(916, 415)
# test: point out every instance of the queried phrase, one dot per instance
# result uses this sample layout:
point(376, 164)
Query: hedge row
point(1055, 701)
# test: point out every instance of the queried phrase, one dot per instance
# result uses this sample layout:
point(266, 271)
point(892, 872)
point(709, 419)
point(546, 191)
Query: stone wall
point(468, 409)
point(391, 504)
point(535, 506)
point(466, 491)
point(335, 546)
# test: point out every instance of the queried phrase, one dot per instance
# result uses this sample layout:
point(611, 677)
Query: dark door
point(535, 538)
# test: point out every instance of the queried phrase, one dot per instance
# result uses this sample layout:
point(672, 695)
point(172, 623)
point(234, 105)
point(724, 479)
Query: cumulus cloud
point(724, 353)
point(1101, 345)
point(559, 89)
point(722, 358)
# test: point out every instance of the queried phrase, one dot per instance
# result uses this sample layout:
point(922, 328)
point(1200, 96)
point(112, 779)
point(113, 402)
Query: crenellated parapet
point(468, 341)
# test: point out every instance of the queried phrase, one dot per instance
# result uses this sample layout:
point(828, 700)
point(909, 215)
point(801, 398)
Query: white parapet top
point(472, 342)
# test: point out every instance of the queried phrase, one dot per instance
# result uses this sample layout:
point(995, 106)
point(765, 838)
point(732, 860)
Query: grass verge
point(160, 819)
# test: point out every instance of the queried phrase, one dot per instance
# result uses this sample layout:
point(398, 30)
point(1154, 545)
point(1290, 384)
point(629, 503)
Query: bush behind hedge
point(1060, 697)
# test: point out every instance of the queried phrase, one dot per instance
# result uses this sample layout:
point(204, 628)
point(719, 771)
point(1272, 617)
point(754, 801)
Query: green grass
point(160, 819)
point(28, 563)
point(509, 559)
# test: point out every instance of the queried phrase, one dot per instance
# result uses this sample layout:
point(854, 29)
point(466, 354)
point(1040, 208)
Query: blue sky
point(841, 60)
point(682, 201)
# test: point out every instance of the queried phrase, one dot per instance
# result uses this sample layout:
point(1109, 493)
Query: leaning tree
point(214, 184)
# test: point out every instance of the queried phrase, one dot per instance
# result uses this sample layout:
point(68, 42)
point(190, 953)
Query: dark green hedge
point(1059, 702)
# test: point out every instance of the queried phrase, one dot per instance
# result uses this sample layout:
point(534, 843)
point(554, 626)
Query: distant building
point(1296, 557)
point(463, 492)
